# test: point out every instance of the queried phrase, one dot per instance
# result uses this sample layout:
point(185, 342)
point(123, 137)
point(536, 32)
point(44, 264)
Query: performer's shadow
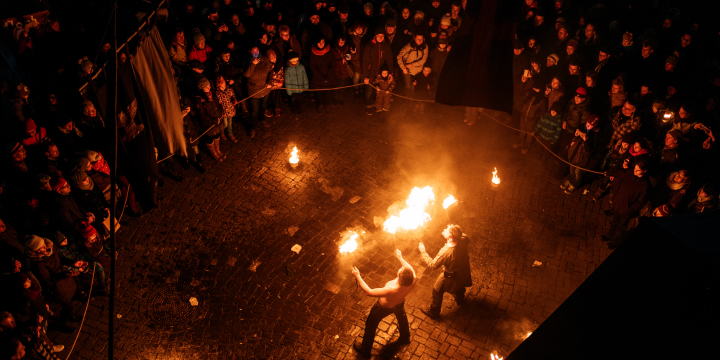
point(392, 350)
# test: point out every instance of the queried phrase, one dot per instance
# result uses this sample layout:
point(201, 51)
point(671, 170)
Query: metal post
point(113, 174)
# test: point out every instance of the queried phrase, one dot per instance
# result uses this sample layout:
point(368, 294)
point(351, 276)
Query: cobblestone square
point(228, 235)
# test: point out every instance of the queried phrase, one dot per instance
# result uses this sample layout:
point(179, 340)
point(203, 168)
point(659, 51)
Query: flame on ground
point(495, 178)
point(450, 200)
point(527, 335)
point(350, 245)
point(414, 215)
point(495, 357)
point(294, 159)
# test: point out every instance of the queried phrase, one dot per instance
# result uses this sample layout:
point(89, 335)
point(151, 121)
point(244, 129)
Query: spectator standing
point(323, 74)
point(385, 84)
point(295, 81)
point(376, 53)
point(258, 71)
point(411, 60)
point(228, 101)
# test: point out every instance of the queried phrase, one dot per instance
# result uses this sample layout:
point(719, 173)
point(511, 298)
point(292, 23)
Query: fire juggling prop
point(294, 158)
point(495, 179)
point(449, 201)
point(414, 215)
point(351, 244)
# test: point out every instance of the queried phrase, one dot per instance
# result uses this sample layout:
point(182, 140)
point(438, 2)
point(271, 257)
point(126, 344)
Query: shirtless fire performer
point(391, 301)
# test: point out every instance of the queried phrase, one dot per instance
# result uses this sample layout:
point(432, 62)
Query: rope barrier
point(541, 143)
point(413, 99)
point(92, 281)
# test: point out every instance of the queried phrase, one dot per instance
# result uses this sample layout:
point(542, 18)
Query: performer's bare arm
point(403, 262)
point(377, 292)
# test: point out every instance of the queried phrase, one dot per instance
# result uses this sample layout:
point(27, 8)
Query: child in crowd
point(385, 84)
point(295, 78)
point(424, 86)
point(548, 129)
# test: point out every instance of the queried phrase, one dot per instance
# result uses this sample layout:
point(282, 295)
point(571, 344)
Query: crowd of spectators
point(628, 89)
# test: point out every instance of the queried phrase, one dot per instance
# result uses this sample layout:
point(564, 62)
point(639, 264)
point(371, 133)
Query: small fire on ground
point(495, 178)
point(294, 158)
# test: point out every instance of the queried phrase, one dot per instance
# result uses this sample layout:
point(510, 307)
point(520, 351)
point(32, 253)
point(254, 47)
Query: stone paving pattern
point(229, 233)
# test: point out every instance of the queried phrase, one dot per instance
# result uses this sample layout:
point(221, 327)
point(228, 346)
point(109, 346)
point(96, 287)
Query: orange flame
point(495, 178)
point(294, 159)
point(495, 357)
point(450, 200)
point(350, 245)
point(414, 215)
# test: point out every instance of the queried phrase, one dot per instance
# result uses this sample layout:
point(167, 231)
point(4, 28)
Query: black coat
point(374, 55)
point(322, 68)
point(55, 280)
point(630, 192)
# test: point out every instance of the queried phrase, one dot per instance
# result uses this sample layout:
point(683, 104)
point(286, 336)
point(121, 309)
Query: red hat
point(664, 210)
point(88, 231)
point(581, 91)
point(30, 125)
point(58, 184)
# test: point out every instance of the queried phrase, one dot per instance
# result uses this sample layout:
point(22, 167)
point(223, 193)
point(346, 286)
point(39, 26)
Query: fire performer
point(453, 257)
point(391, 301)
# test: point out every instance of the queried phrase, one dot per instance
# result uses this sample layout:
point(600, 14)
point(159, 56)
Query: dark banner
point(478, 70)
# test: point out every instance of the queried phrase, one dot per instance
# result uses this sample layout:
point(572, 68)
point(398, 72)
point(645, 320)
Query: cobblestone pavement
point(228, 234)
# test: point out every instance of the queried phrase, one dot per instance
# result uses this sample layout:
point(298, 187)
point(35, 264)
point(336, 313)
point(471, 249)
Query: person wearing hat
point(667, 157)
point(48, 264)
point(376, 53)
point(386, 13)
point(574, 117)
point(535, 106)
point(418, 24)
point(340, 51)
point(411, 60)
point(437, 56)
point(391, 36)
point(210, 113)
point(369, 16)
point(582, 147)
point(295, 81)
point(259, 74)
point(385, 83)
point(340, 23)
point(200, 50)
point(93, 243)
point(549, 128)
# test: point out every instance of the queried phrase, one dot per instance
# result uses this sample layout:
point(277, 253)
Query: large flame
point(495, 179)
point(450, 200)
point(414, 215)
point(350, 245)
point(294, 159)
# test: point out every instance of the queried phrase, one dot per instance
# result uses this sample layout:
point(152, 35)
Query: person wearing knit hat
point(94, 244)
point(60, 186)
point(552, 60)
point(671, 62)
point(204, 85)
point(200, 50)
point(663, 211)
point(379, 30)
point(35, 246)
point(517, 44)
point(445, 21)
point(93, 156)
point(80, 179)
point(573, 44)
point(675, 134)
point(368, 8)
point(419, 15)
point(86, 67)
point(89, 231)
point(82, 164)
point(581, 92)
point(16, 152)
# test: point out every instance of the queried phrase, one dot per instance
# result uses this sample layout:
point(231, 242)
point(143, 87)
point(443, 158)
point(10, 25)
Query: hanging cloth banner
point(158, 88)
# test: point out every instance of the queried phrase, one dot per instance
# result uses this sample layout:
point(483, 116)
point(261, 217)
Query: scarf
point(633, 153)
point(320, 52)
point(704, 199)
point(101, 166)
point(674, 185)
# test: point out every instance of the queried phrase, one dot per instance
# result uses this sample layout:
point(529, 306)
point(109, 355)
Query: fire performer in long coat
point(453, 257)
point(391, 301)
